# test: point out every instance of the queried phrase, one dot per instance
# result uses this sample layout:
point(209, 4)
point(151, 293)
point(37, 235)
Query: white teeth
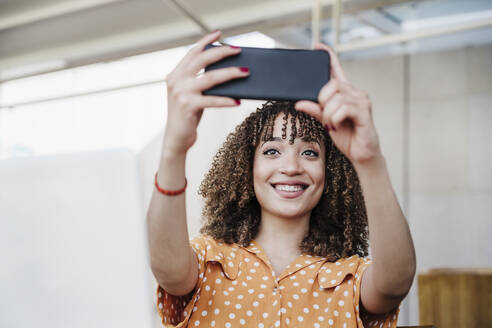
point(288, 187)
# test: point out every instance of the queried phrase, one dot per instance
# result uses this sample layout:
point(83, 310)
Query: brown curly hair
point(232, 214)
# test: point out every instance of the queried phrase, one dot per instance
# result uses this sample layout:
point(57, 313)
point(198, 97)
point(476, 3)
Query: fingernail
point(215, 31)
point(327, 128)
point(238, 102)
point(244, 69)
point(234, 47)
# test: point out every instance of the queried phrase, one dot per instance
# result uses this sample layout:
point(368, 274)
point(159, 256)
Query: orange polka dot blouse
point(237, 287)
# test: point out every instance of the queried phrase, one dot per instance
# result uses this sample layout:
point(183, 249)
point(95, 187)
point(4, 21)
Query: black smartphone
point(275, 74)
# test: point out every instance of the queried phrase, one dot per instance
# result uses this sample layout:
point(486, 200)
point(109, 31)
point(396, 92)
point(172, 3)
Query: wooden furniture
point(456, 298)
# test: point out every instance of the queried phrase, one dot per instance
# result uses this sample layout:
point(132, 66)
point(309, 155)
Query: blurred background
point(82, 113)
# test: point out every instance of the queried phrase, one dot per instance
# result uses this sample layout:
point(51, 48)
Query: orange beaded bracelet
point(170, 192)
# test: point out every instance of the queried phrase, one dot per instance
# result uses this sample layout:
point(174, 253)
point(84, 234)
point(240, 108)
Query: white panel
point(73, 250)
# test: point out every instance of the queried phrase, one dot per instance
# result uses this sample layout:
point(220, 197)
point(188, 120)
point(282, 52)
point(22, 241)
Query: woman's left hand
point(346, 113)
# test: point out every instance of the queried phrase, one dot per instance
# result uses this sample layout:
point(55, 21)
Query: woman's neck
point(282, 234)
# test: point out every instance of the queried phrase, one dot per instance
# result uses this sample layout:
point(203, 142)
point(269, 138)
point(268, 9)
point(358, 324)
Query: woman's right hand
point(184, 91)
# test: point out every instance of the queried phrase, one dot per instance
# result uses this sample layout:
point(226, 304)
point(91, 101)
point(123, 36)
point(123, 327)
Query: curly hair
point(338, 223)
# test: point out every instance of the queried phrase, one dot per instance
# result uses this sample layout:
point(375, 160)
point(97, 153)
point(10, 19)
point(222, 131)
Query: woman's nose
point(291, 165)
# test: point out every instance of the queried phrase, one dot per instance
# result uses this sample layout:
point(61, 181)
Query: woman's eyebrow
point(273, 139)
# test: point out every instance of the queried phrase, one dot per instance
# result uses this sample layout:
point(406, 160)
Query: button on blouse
point(238, 287)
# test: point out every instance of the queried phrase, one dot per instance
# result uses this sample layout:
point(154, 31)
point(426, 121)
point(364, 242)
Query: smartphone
point(275, 74)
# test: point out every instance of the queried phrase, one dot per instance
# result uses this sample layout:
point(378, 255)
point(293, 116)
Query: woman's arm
point(347, 114)
point(389, 278)
point(173, 261)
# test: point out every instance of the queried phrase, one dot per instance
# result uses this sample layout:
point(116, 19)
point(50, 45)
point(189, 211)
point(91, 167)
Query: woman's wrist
point(370, 166)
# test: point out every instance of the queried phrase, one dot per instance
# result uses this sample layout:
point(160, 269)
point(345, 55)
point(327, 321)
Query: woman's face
point(288, 179)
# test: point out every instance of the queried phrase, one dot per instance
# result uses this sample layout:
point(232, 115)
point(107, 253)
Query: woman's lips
point(289, 194)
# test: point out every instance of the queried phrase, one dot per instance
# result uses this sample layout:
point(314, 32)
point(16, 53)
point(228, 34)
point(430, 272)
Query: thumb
point(310, 108)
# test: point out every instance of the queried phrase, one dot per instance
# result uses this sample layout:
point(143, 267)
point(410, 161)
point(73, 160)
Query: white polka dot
point(287, 320)
point(315, 294)
point(246, 260)
point(330, 322)
point(296, 284)
point(292, 277)
point(227, 302)
point(255, 303)
point(252, 270)
point(207, 287)
point(329, 300)
point(209, 302)
point(316, 325)
point(260, 325)
point(212, 323)
point(160, 306)
point(261, 295)
point(315, 306)
point(289, 304)
point(232, 315)
point(249, 313)
point(197, 323)
point(226, 293)
point(345, 293)
point(295, 296)
point(265, 315)
point(251, 291)
point(204, 313)
point(304, 290)
point(242, 321)
point(302, 272)
point(300, 319)
point(265, 278)
point(347, 315)
point(311, 280)
point(340, 303)
point(283, 310)
point(306, 310)
point(263, 286)
point(238, 306)
point(228, 324)
point(335, 313)
point(218, 281)
point(320, 318)
point(240, 297)
point(216, 311)
point(256, 264)
point(277, 323)
point(323, 279)
point(333, 281)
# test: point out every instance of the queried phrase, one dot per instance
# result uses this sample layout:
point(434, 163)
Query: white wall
point(449, 153)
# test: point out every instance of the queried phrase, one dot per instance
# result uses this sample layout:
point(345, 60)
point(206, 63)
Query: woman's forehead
point(288, 127)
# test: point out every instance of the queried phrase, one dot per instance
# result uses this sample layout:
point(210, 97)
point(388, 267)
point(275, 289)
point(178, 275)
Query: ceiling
point(39, 36)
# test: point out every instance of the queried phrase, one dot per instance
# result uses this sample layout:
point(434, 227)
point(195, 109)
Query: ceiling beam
point(38, 13)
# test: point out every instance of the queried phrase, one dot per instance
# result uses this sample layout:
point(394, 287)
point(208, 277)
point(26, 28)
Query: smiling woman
point(268, 153)
point(291, 199)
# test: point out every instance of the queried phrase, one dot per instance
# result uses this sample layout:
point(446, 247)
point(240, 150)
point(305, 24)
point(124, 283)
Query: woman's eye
point(270, 152)
point(310, 153)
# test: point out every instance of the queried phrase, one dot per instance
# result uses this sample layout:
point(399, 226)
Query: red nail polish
point(234, 47)
point(238, 102)
point(244, 69)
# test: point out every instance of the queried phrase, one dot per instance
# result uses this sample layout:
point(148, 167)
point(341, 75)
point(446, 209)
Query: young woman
point(291, 200)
